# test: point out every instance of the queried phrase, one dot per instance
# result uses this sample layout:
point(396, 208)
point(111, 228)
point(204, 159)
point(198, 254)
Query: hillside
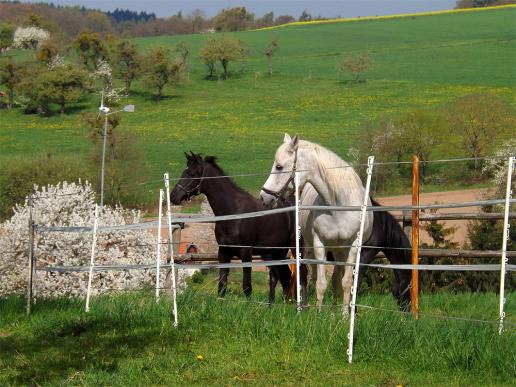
point(419, 62)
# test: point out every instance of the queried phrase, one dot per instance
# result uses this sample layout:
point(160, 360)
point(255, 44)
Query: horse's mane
point(212, 160)
point(335, 171)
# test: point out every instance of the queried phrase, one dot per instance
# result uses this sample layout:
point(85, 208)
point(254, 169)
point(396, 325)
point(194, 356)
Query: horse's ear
point(187, 156)
point(294, 143)
point(286, 138)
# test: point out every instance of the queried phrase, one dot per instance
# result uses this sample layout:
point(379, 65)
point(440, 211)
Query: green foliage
point(91, 48)
point(47, 51)
point(162, 70)
point(6, 36)
point(42, 87)
point(481, 119)
point(19, 175)
point(223, 50)
point(10, 77)
point(233, 19)
point(128, 62)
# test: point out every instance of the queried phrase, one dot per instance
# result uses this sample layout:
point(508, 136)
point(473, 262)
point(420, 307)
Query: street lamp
point(105, 110)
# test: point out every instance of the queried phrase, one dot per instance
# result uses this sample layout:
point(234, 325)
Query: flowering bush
point(65, 205)
point(29, 38)
point(497, 167)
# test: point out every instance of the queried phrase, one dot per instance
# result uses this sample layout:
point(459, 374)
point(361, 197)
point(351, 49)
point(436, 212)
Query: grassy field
point(420, 62)
point(128, 339)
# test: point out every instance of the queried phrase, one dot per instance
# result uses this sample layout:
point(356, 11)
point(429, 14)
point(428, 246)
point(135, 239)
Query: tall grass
point(128, 339)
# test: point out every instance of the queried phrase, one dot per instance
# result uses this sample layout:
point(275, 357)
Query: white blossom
point(104, 73)
point(28, 38)
point(66, 205)
point(56, 62)
point(497, 167)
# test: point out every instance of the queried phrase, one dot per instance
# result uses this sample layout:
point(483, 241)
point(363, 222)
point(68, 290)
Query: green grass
point(128, 340)
point(421, 62)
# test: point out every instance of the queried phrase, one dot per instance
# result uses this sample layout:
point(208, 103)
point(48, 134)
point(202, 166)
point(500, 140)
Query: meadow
point(419, 62)
point(128, 339)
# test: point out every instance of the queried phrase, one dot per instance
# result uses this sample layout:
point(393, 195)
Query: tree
point(209, 55)
point(284, 19)
point(162, 70)
point(270, 50)
point(124, 164)
point(91, 48)
point(6, 36)
point(47, 52)
point(183, 48)
point(128, 62)
point(61, 85)
point(305, 16)
point(355, 65)
point(10, 77)
point(232, 19)
point(480, 119)
point(266, 20)
point(224, 51)
point(29, 38)
point(421, 132)
point(481, 3)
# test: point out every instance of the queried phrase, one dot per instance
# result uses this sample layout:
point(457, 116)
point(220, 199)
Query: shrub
point(71, 204)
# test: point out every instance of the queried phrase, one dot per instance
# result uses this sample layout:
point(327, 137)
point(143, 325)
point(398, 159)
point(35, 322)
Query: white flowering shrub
point(497, 167)
point(29, 38)
point(67, 205)
point(56, 62)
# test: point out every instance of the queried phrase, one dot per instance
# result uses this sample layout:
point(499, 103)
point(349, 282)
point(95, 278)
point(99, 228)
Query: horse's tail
point(398, 250)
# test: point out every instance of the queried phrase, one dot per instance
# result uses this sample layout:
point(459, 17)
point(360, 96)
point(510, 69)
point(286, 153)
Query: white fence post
point(171, 250)
point(298, 239)
point(158, 247)
point(356, 269)
point(93, 245)
point(506, 226)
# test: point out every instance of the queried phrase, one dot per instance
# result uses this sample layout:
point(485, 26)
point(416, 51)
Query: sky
point(324, 8)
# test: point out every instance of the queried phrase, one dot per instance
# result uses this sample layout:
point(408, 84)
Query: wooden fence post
point(414, 290)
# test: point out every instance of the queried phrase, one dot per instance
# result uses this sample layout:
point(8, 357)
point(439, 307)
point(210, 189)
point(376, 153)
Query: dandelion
point(199, 357)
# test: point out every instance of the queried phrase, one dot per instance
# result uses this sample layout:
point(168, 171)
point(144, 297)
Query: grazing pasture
point(419, 62)
point(128, 339)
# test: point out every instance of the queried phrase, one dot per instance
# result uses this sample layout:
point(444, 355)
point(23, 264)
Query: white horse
point(324, 180)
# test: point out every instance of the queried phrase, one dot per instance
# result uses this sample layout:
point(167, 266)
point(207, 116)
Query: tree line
point(65, 22)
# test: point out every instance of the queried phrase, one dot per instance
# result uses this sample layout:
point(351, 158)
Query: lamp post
point(105, 111)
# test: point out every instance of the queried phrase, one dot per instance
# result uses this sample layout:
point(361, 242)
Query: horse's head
point(280, 183)
point(191, 179)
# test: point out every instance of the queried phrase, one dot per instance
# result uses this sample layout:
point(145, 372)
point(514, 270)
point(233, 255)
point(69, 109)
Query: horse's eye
point(279, 167)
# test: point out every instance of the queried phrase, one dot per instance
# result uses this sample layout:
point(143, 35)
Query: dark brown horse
point(203, 175)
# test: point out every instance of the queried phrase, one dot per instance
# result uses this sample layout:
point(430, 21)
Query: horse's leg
point(347, 280)
point(336, 282)
point(246, 256)
point(366, 257)
point(321, 284)
point(223, 275)
point(304, 285)
point(273, 280)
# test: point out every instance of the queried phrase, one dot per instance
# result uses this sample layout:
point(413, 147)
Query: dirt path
point(468, 195)
point(203, 235)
